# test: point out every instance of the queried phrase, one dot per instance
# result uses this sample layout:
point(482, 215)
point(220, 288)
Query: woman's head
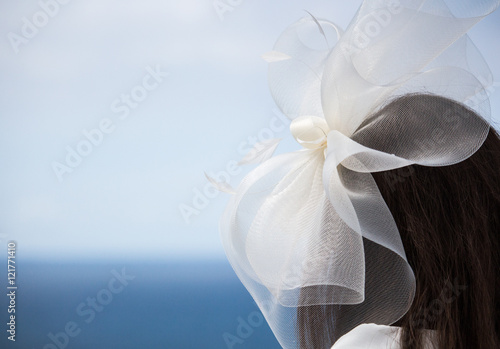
point(449, 221)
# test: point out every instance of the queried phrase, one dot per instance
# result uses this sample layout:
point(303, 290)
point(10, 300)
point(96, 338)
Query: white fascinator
point(310, 228)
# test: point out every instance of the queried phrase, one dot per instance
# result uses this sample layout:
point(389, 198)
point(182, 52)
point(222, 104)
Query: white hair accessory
point(311, 227)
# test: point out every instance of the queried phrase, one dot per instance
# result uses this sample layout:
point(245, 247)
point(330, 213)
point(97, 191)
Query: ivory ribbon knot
point(310, 131)
point(311, 228)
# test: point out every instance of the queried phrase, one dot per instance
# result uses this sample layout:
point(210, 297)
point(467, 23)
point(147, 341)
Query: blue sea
point(104, 305)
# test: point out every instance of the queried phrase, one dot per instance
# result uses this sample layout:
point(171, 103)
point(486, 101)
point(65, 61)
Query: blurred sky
point(124, 198)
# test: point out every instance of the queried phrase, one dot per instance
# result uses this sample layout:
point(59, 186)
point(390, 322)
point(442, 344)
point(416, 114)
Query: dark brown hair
point(449, 221)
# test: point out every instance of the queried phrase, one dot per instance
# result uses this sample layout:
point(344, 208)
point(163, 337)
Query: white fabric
point(311, 227)
point(372, 336)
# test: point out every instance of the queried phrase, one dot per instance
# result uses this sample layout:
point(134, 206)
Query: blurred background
point(111, 113)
